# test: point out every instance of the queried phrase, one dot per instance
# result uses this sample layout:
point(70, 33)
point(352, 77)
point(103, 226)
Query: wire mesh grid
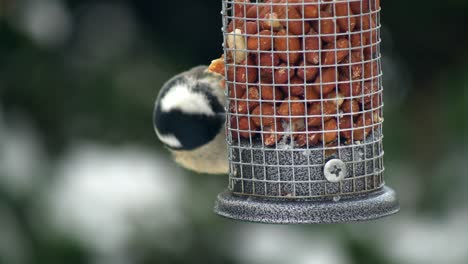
point(304, 86)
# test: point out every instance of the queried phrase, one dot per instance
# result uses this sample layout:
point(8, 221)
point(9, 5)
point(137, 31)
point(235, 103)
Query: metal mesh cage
point(304, 119)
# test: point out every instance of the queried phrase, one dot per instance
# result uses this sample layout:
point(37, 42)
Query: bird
point(189, 119)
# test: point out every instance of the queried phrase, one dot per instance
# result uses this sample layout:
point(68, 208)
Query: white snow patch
point(104, 195)
point(276, 244)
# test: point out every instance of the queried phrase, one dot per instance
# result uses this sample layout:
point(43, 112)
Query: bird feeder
point(304, 119)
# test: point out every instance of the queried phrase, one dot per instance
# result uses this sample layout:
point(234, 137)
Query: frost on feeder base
point(288, 186)
point(361, 208)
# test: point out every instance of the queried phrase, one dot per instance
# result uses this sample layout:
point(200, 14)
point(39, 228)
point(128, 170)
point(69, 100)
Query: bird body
point(211, 158)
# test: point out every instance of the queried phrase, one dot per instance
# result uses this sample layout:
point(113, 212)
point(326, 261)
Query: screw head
point(335, 170)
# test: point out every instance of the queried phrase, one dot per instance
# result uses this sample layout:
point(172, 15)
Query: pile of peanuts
point(310, 67)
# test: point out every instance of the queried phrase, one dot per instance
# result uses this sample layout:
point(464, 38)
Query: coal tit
point(189, 119)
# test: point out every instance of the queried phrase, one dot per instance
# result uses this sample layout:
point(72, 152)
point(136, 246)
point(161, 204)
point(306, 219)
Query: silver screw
point(335, 170)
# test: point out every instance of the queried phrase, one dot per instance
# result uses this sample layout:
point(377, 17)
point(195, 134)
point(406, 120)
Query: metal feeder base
point(357, 208)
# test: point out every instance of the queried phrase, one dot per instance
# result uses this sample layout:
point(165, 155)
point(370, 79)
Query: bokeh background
point(83, 178)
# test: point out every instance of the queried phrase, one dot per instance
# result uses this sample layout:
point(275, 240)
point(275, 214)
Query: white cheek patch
point(169, 140)
point(181, 98)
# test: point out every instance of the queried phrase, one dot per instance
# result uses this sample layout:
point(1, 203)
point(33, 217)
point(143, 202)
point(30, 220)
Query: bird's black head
point(188, 114)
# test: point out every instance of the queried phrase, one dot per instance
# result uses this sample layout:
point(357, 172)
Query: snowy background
point(83, 178)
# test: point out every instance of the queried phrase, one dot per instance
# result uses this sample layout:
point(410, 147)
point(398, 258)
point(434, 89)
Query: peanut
point(217, 66)
point(232, 128)
point(267, 112)
point(370, 89)
point(238, 21)
point(330, 131)
point(247, 125)
point(245, 73)
point(237, 43)
point(335, 54)
point(327, 27)
point(326, 81)
point(375, 103)
point(336, 98)
point(291, 18)
point(263, 41)
point(300, 140)
point(370, 52)
point(346, 127)
point(289, 45)
point(371, 69)
point(250, 100)
point(238, 8)
point(267, 62)
point(251, 28)
point(357, 8)
point(312, 46)
point(272, 134)
point(291, 107)
point(270, 92)
point(326, 7)
point(311, 94)
point(358, 40)
point(253, 11)
point(355, 63)
point(347, 22)
point(244, 128)
point(345, 87)
point(363, 126)
point(316, 114)
point(236, 91)
point(235, 24)
point(366, 6)
point(377, 118)
point(238, 14)
point(271, 22)
point(367, 24)
point(307, 73)
point(350, 107)
point(281, 74)
point(265, 8)
point(295, 87)
point(310, 10)
point(375, 5)
point(258, 11)
point(311, 137)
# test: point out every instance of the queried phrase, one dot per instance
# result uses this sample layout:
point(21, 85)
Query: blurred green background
point(83, 178)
